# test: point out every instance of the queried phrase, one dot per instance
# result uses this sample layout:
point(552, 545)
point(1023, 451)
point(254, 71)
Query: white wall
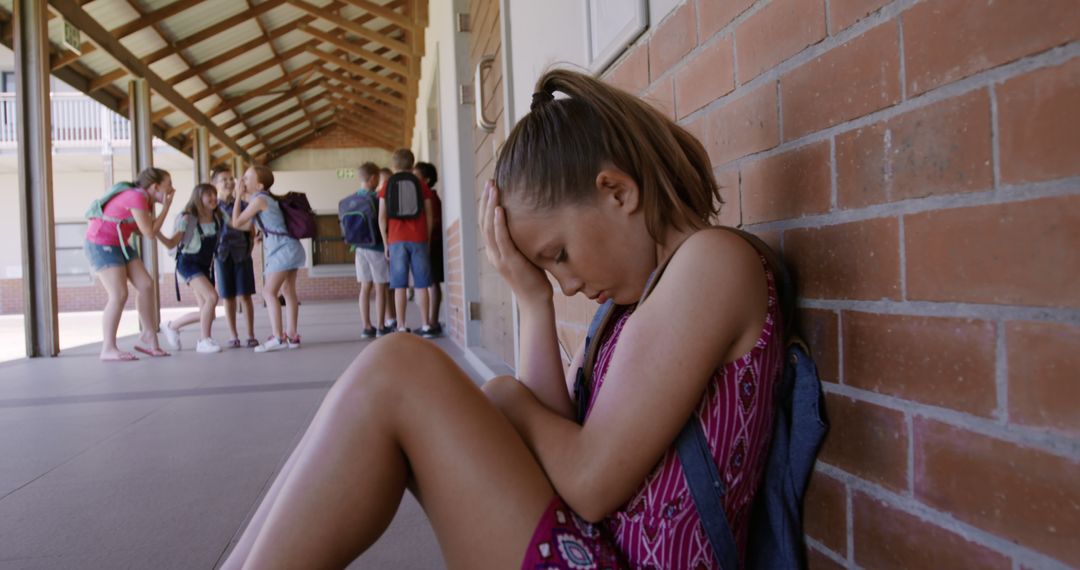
point(542, 34)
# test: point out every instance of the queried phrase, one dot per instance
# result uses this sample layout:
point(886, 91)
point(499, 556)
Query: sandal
point(235, 343)
point(252, 342)
point(121, 357)
point(157, 352)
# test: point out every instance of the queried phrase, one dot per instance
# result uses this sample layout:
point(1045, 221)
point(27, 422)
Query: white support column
point(30, 37)
point(142, 157)
point(106, 146)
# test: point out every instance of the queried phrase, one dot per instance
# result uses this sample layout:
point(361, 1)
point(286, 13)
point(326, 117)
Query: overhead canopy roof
point(265, 76)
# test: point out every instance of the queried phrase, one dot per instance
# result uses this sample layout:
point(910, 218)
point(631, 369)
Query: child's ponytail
point(555, 152)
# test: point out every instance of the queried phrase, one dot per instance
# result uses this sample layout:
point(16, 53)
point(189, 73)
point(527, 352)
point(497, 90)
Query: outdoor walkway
point(158, 463)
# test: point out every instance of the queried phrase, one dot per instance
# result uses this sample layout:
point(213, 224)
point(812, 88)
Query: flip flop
point(122, 357)
point(154, 353)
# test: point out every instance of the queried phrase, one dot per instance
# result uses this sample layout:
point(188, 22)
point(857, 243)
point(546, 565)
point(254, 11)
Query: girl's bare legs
point(436, 301)
point(271, 286)
point(114, 279)
point(380, 304)
point(230, 316)
point(144, 301)
point(292, 302)
point(208, 299)
point(249, 316)
point(403, 412)
point(391, 308)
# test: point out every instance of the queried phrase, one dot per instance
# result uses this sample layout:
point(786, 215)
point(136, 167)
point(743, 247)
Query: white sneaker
point(172, 336)
point(207, 346)
point(292, 342)
point(272, 345)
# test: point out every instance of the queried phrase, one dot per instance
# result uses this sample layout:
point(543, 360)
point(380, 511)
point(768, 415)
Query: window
point(7, 81)
point(70, 260)
point(328, 247)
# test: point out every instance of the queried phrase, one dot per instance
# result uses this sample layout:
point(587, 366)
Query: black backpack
point(775, 538)
point(404, 201)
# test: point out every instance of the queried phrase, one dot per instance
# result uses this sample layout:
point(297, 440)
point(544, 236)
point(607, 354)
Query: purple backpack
point(299, 217)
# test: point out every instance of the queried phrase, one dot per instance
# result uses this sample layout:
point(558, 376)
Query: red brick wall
point(918, 162)
point(455, 283)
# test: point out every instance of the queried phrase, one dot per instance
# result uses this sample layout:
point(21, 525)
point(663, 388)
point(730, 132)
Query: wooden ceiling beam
point(146, 20)
point(222, 26)
point(284, 70)
point(217, 88)
point(338, 75)
point(362, 131)
point(355, 49)
point(356, 69)
point(401, 20)
point(365, 104)
point(358, 29)
point(78, 17)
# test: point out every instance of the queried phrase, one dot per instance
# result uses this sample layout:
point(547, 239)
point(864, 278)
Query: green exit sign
point(72, 38)
point(346, 173)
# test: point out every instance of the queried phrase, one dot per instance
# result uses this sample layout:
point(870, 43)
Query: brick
point(821, 331)
point(1039, 124)
point(1020, 494)
point(699, 127)
point(1043, 389)
point(856, 260)
point(825, 511)
point(843, 13)
point(938, 361)
point(708, 75)
point(662, 97)
point(776, 32)
point(744, 126)
point(632, 73)
point(946, 40)
point(818, 561)
point(847, 82)
point(672, 40)
point(713, 15)
point(788, 185)
point(1019, 253)
point(731, 210)
point(868, 441)
point(943, 148)
point(888, 538)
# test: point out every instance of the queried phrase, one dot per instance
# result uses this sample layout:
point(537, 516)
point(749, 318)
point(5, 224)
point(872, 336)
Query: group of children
point(406, 241)
point(213, 238)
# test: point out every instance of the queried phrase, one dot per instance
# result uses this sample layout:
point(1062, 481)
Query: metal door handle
point(486, 62)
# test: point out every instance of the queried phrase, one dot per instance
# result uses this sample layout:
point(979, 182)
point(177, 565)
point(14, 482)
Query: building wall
point(916, 162)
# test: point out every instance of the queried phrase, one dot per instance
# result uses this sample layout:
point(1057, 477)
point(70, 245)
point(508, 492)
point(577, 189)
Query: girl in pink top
point(595, 190)
point(116, 261)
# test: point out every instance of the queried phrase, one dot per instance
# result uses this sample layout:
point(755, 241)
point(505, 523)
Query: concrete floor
point(158, 463)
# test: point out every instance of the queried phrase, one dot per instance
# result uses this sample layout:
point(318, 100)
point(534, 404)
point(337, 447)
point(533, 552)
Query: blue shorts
point(408, 255)
point(189, 267)
point(235, 278)
point(106, 256)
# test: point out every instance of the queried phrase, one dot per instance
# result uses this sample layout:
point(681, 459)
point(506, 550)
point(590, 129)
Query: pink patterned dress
point(659, 526)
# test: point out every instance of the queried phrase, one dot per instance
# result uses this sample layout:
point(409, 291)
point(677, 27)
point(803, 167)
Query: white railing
point(77, 122)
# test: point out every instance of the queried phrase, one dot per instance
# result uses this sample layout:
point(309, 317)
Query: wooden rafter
point(222, 26)
point(401, 20)
point(359, 70)
point(144, 20)
point(355, 49)
point(355, 28)
point(281, 63)
point(362, 132)
point(218, 87)
point(366, 122)
point(337, 75)
point(365, 104)
point(98, 34)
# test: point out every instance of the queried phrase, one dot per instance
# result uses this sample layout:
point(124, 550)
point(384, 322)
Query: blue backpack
point(775, 535)
point(359, 216)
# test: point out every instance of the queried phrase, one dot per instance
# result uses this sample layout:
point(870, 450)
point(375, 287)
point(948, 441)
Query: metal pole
point(200, 152)
point(107, 147)
point(35, 177)
point(238, 166)
point(142, 157)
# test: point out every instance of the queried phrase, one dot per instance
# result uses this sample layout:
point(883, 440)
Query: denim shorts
point(408, 255)
point(235, 278)
point(106, 256)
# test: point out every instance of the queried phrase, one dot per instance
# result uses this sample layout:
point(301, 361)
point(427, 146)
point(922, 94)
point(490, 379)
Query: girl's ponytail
point(556, 151)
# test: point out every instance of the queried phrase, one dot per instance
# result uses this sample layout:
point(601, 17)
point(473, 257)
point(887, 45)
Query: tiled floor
point(158, 463)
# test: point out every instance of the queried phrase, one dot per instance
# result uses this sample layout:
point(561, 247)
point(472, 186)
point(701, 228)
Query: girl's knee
point(395, 361)
point(119, 295)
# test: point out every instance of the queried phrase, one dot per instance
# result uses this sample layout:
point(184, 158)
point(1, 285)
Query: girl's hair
point(194, 203)
point(151, 176)
point(264, 175)
point(428, 172)
point(553, 155)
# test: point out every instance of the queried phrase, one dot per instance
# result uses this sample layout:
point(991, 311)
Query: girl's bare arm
point(707, 309)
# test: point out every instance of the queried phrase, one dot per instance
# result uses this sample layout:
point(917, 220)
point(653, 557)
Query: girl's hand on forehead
point(526, 279)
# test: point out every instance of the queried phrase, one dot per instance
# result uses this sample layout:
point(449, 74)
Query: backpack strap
point(258, 217)
point(707, 490)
